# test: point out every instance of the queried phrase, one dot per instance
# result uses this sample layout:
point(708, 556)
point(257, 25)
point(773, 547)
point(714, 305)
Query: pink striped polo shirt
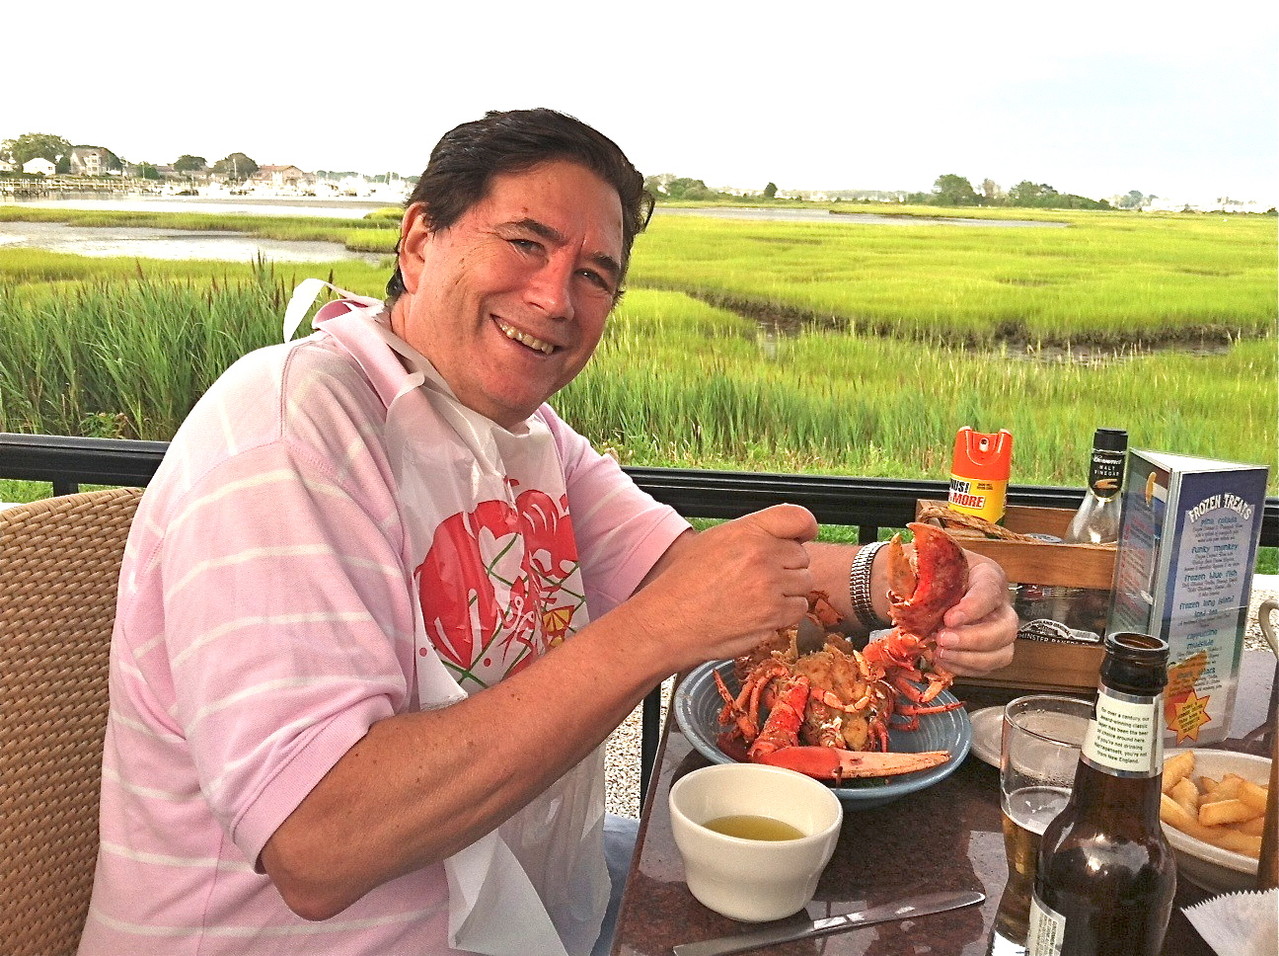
point(265, 623)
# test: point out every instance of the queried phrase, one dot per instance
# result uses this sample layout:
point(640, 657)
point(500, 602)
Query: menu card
point(1183, 571)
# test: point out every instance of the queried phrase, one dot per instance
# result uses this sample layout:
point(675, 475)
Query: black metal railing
point(868, 504)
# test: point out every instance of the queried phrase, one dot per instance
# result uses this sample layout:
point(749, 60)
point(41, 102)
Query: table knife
point(909, 908)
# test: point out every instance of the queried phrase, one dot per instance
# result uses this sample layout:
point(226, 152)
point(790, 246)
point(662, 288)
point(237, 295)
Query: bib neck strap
point(304, 296)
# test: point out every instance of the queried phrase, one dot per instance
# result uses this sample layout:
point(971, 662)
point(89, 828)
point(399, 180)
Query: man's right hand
point(718, 593)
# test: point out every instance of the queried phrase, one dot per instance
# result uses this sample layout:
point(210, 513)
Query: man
point(381, 607)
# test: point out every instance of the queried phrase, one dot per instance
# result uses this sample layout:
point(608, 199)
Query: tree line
point(951, 189)
point(57, 150)
point(948, 190)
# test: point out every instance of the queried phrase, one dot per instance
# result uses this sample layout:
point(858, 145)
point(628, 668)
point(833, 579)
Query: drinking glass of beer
point(1042, 734)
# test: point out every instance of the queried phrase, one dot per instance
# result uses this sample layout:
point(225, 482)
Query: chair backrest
point(59, 566)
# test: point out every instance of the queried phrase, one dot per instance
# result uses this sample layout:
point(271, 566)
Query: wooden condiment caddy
point(1041, 665)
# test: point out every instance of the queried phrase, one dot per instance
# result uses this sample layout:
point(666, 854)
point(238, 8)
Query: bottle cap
point(978, 455)
point(1110, 439)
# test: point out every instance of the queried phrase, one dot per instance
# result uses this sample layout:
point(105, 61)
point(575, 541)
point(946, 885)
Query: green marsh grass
point(679, 381)
point(1091, 278)
point(1102, 279)
point(110, 344)
point(36, 272)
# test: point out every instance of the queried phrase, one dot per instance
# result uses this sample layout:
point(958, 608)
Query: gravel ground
point(622, 763)
point(622, 757)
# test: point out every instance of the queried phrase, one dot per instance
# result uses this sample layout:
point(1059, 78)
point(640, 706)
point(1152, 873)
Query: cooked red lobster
point(829, 711)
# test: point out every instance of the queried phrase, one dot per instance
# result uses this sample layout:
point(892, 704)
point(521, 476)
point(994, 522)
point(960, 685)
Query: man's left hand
point(978, 633)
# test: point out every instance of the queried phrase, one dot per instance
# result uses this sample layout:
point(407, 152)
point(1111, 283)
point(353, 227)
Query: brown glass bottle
point(1106, 874)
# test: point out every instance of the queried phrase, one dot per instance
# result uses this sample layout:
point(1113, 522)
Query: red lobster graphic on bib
point(501, 585)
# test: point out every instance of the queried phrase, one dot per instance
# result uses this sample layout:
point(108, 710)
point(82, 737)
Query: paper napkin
point(1239, 924)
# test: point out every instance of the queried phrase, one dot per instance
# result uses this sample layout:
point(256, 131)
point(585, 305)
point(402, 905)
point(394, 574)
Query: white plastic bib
point(487, 507)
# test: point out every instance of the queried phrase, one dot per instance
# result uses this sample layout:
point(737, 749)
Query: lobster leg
point(911, 710)
point(827, 763)
point(936, 683)
point(879, 735)
point(781, 730)
point(741, 710)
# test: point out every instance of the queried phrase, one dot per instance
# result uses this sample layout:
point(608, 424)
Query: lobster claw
point(828, 763)
point(923, 588)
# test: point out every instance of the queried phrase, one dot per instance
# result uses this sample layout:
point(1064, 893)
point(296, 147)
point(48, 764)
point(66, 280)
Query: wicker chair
point(59, 564)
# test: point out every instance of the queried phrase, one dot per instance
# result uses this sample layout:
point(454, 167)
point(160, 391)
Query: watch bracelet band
point(859, 587)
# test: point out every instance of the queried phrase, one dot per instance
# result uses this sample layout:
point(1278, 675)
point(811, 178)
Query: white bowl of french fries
point(1213, 809)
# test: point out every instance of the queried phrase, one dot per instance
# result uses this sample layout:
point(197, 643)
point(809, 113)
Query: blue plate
point(698, 703)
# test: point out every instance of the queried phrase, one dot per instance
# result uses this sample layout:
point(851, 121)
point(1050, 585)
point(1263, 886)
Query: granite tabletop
point(946, 837)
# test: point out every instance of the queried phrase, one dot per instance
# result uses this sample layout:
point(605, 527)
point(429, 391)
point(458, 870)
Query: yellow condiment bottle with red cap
point(979, 473)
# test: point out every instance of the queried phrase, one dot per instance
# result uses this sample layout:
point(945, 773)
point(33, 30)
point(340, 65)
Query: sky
point(1096, 98)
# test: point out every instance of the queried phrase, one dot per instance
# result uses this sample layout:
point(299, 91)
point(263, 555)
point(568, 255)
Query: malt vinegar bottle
point(1097, 520)
point(1106, 874)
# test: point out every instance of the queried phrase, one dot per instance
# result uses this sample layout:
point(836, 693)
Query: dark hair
point(467, 158)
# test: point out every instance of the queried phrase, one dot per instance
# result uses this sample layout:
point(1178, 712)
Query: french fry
point(1218, 812)
point(1238, 842)
point(1254, 794)
point(1226, 812)
point(1187, 795)
point(1229, 788)
point(1177, 769)
point(1254, 827)
point(1175, 815)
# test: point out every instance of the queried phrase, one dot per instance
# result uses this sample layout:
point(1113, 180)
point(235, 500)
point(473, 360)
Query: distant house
point(282, 176)
point(1204, 204)
point(39, 167)
point(94, 161)
point(6, 166)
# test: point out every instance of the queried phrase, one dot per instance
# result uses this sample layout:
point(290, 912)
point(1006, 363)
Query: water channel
point(154, 243)
point(157, 243)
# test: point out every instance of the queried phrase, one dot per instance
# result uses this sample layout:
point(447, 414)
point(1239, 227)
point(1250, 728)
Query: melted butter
point(750, 827)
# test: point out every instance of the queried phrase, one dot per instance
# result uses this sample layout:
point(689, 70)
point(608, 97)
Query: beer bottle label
point(1123, 737)
point(1046, 931)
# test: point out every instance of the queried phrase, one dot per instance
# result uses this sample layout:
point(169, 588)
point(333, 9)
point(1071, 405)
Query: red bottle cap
point(978, 455)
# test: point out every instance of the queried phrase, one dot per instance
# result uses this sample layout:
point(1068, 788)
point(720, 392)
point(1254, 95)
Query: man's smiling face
point(509, 302)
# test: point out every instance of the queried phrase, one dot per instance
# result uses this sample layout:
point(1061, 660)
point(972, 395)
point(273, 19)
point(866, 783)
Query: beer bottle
point(1106, 874)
